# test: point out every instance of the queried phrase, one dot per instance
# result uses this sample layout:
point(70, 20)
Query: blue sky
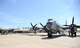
point(19, 13)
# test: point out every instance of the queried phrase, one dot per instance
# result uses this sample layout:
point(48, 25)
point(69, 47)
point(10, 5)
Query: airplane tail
point(66, 23)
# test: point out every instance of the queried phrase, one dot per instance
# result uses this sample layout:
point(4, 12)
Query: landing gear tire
point(49, 35)
point(75, 34)
point(72, 34)
point(69, 34)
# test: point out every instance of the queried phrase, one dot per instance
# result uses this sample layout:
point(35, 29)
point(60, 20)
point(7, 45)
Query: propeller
point(33, 26)
point(44, 27)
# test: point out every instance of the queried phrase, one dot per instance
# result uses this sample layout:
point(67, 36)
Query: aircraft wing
point(77, 26)
point(66, 27)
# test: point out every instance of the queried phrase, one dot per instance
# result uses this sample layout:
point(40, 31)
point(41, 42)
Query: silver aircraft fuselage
point(55, 27)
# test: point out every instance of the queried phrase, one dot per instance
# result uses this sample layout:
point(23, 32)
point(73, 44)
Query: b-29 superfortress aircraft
point(52, 27)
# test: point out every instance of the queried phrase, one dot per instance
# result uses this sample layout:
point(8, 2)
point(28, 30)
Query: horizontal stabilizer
point(66, 25)
point(65, 28)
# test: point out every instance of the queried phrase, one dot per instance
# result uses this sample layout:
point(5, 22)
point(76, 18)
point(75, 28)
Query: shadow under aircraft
point(73, 28)
point(53, 37)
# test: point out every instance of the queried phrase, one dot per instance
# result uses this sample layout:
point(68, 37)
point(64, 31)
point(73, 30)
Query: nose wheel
point(49, 35)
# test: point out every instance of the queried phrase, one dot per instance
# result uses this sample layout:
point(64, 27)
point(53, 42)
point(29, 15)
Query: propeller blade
point(35, 25)
point(73, 20)
point(31, 24)
point(41, 25)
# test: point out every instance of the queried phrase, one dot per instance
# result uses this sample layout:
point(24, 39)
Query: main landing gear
point(72, 34)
